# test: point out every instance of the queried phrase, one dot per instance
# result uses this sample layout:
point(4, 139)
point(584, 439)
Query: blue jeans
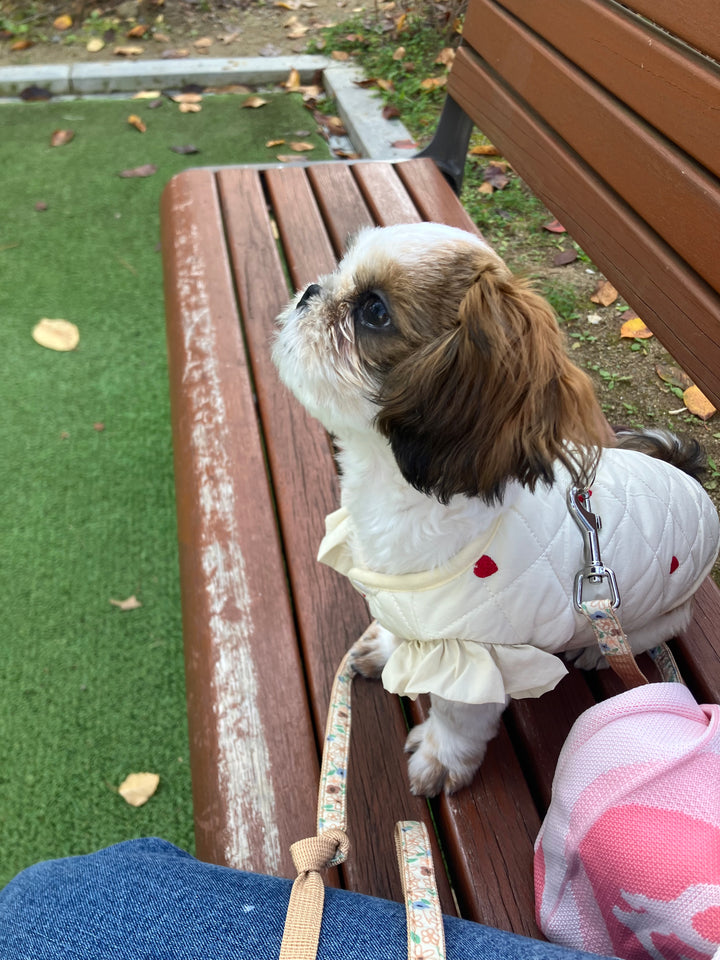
point(148, 900)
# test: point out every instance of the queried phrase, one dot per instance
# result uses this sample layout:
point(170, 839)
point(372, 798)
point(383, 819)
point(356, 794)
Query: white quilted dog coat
point(490, 622)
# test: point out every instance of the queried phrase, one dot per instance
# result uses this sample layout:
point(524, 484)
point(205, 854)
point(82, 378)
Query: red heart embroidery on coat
point(674, 564)
point(485, 567)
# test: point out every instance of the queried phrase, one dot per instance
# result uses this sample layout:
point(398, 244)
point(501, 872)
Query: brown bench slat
point(432, 194)
point(384, 193)
point(674, 195)
point(687, 19)
point(670, 87)
point(330, 614)
point(341, 203)
point(666, 294)
point(248, 805)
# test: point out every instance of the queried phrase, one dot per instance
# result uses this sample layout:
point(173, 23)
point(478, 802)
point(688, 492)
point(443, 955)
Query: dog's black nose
point(311, 291)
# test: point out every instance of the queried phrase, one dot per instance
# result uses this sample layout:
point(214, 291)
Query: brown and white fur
point(443, 378)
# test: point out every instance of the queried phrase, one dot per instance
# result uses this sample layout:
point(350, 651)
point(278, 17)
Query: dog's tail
point(683, 452)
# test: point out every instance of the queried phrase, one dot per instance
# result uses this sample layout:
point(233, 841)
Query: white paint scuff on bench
point(244, 763)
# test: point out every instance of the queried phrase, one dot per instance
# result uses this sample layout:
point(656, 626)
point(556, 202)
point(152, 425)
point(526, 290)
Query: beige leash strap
point(331, 845)
point(614, 644)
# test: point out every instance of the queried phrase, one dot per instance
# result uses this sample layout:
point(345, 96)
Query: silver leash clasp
point(594, 570)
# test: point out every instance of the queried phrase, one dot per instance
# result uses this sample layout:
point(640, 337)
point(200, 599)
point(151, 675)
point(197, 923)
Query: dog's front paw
point(430, 773)
point(371, 652)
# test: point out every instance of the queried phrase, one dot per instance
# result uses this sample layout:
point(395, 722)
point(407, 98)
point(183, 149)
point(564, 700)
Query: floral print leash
point(425, 935)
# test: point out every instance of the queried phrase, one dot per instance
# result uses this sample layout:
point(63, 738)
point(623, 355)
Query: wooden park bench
point(612, 115)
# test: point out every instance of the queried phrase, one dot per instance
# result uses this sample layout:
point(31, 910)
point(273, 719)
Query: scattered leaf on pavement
point(135, 121)
point(636, 329)
point(94, 45)
point(184, 149)
point(127, 51)
point(697, 403)
point(63, 22)
point(174, 54)
point(146, 170)
point(404, 144)
point(605, 293)
point(60, 137)
point(60, 335)
point(137, 788)
point(203, 43)
point(23, 44)
point(554, 227)
point(253, 102)
point(139, 30)
point(132, 603)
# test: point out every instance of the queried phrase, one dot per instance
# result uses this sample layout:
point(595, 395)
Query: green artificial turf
point(90, 693)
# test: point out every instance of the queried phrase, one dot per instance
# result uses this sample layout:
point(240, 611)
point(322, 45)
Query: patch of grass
point(89, 693)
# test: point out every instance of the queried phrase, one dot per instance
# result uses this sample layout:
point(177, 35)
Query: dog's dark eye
point(372, 314)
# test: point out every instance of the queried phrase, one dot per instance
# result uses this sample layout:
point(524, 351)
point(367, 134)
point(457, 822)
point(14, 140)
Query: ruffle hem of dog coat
point(487, 624)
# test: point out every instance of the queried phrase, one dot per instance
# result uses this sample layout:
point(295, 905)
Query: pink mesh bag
point(627, 861)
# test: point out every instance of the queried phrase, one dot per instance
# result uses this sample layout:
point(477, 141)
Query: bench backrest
point(611, 114)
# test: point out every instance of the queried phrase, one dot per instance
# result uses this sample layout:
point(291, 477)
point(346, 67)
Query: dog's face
point(423, 335)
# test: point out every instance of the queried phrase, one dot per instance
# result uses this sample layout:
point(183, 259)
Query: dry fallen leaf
point(635, 328)
point(564, 257)
point(496, 175)
point(187, 98)
point(484, 150)
point(132, 603)
point(60, 335)
point(253, 102)
point(60, 137)
point(300, 146)
point(185, 149)
point(446, 57)
point(189, 108)
point(697, 403)
point(341, 55)
point(174, 54)
point(23, 44)
point(63, 22)
point(486, 188)
point(554, 227)
point(287, 158)
point(94, 45)
point(293, 81)
point(390, 111)
point(673, 375)
point(399, 54)
point(203, 43)
point(146, 170)
point(297, 32)
point(146, 95)
point(404, 144)
point(274, 143)
point(127, 51)
point(137, 788)
point(432, 83)
point(135, 121)
point(139, 30)
point(605, 293)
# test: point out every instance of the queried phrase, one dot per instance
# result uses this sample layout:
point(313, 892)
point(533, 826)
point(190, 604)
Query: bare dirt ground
point(175, 28)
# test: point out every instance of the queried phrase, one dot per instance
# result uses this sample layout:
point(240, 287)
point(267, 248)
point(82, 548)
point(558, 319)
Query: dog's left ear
point(493, 399)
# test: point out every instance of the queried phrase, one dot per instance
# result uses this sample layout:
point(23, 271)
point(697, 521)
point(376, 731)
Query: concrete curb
point(372, 136)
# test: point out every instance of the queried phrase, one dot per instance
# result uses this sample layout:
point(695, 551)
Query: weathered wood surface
point(616, 126)
point(265, 625)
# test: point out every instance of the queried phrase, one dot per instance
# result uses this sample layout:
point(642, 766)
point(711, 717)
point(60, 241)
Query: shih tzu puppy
point(461, 424)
